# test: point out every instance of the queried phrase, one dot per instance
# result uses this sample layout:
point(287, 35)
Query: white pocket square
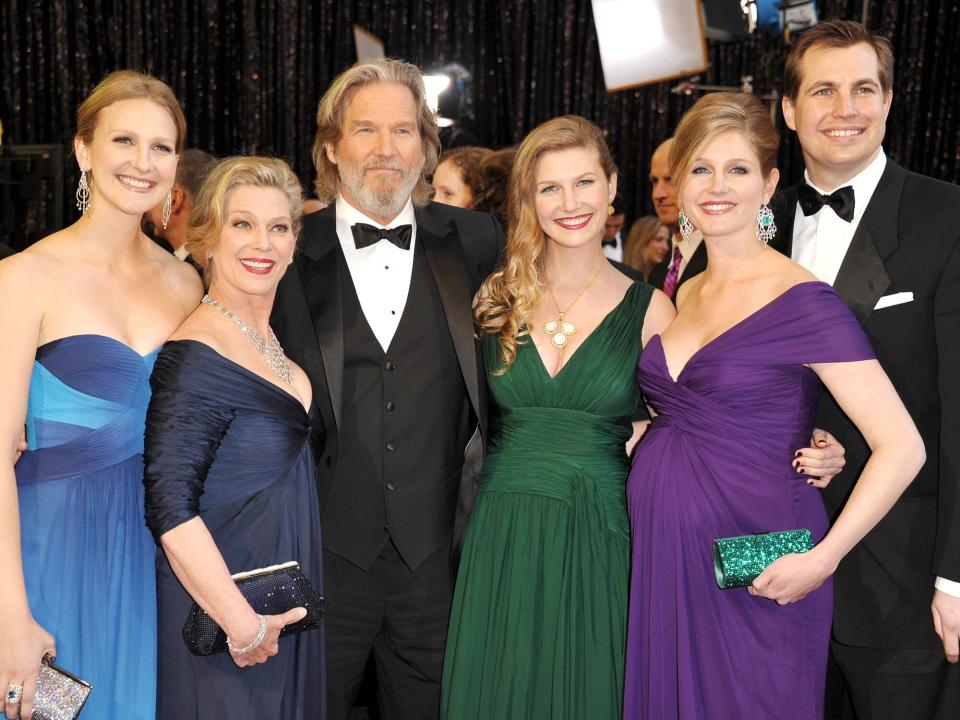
point(896, 299)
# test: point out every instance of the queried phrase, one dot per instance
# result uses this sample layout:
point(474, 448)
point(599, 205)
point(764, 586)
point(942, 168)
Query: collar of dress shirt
point(688, 245)
point(863, 184)
point(181, 252)
point(348, 215)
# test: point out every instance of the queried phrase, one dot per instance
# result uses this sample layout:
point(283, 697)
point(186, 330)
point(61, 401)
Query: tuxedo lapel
point(784, 207)
point(863, 278)
point(320, 273)
point(445, 257)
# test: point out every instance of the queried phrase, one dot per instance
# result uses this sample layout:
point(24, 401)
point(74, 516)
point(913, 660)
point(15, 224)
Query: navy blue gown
point(235, 449)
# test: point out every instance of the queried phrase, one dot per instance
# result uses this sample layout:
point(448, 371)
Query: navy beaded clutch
point(738, 560)
point(270, 591)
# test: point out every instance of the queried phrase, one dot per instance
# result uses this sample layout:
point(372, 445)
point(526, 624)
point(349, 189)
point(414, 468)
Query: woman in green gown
point(539, 614)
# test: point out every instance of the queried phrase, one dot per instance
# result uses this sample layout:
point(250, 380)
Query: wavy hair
point(509, 297)
point(330, 113)
point(210, 204)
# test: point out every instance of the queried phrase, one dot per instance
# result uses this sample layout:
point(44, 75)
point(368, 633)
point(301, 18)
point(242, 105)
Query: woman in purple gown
point(735, 381)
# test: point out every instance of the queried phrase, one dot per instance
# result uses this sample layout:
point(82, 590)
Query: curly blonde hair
point(509, 297)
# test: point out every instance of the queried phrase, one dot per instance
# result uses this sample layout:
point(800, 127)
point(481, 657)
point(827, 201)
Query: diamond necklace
point(559, 330)
point(270, 349)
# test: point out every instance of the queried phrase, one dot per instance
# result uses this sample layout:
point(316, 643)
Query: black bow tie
point(366, 235)
point(608, 243)
point(841, 201)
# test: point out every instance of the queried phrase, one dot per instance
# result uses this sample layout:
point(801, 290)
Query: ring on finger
point(13, 694)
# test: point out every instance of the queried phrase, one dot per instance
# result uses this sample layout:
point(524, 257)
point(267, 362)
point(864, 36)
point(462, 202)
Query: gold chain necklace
point(559, 330)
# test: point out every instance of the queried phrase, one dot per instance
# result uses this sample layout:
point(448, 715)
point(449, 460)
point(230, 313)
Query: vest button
point(391, 486)
point(390, 366)
point(390, 446)
point(389, 406)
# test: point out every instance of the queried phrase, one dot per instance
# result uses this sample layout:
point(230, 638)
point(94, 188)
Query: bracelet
point(261, 631)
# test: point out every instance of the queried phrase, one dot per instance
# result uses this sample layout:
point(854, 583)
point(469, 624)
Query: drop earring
point(686, 227)
point(83, 193)
point(167, 208)
point(766, 227)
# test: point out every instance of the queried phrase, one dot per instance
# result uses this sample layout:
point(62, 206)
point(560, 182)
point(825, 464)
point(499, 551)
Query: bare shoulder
point(197, 327)
point(788, 273)
point(181, 278)
point(660, 313)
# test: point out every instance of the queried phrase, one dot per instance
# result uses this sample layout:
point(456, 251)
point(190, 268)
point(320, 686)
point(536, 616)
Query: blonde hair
point(641, 233)
point(718, 113)
point(129, 85)
point(210, 204)
point(510, 296)
point(330, 122)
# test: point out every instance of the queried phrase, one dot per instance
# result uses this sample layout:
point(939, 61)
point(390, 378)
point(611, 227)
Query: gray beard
point(371, 200)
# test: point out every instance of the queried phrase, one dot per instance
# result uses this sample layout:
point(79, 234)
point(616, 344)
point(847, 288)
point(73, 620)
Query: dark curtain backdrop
point(249, 72)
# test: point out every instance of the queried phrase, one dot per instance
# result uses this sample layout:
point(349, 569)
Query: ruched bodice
point(227, 446)
point(88, 398)
point(537, 629)
point(716, 462)
point(88, 558)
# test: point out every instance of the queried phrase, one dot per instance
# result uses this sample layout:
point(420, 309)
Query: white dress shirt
point(687, 246)
point(614, 252)
point(181, 252)
point(821, 240)
point(381, 272)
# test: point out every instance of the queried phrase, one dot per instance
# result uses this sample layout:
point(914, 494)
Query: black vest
point(402, 439)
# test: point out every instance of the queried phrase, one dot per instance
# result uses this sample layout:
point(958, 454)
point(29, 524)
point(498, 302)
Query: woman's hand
point(792, 577)
point(270, 645)
point(23, 644)
point(823, 460)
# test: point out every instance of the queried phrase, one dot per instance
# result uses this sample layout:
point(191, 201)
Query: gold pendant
point(559, 330)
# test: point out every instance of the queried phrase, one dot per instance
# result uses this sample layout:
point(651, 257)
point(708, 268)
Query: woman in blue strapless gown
point(734, 380)
point(92, 305)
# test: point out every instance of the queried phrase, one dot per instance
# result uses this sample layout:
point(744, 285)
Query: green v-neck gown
point(539, 614)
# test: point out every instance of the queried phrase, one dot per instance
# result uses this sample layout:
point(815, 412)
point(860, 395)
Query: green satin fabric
point(539, 614)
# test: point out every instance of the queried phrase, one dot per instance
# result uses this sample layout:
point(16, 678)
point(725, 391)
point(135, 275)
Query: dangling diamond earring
point(167, 208)
point(686, 227)
point(766, 227)
point(83, 193)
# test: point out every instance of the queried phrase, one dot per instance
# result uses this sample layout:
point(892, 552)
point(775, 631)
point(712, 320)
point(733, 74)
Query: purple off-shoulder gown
point(716, 463)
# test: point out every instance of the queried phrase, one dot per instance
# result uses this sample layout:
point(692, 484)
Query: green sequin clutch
point(738, 560)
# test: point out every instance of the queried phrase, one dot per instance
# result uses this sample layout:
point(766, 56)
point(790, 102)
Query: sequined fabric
point(59, 696)
point(738, 560)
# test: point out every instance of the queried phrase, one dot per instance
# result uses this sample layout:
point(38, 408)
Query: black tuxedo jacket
point(462, 248)
point(907, 241)
point(696, 265)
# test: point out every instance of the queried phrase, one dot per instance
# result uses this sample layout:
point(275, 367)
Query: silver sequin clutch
point(60, 695)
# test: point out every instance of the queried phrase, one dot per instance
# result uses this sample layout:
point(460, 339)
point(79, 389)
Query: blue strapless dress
point(88, 558)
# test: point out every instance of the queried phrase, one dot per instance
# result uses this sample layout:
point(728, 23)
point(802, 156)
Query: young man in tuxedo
point(377, 309)
point(687, 256)
point(888, 240)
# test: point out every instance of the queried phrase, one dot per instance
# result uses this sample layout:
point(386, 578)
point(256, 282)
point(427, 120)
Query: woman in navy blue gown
point(85, 311)
point(230, 472)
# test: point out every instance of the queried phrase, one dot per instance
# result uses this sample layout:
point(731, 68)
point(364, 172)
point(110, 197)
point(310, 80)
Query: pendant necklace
point(559, 330)
point(270, 349)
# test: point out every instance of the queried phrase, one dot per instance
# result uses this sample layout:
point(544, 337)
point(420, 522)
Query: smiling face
point(256, 241)
point(131, 159)
point(571, 196)
point(840, 112)
point(724, 187)
point(450, 187)
point(380, 156)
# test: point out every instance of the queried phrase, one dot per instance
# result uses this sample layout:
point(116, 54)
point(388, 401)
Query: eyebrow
point(731, 160)
point(833, 83)
point(578, 177)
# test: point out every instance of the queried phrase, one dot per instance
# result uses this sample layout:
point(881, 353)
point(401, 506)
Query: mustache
point(383, 165)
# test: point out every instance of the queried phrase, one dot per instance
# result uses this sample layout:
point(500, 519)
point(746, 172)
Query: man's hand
point(21, 445)
point(946, 621)
point(822, 460)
